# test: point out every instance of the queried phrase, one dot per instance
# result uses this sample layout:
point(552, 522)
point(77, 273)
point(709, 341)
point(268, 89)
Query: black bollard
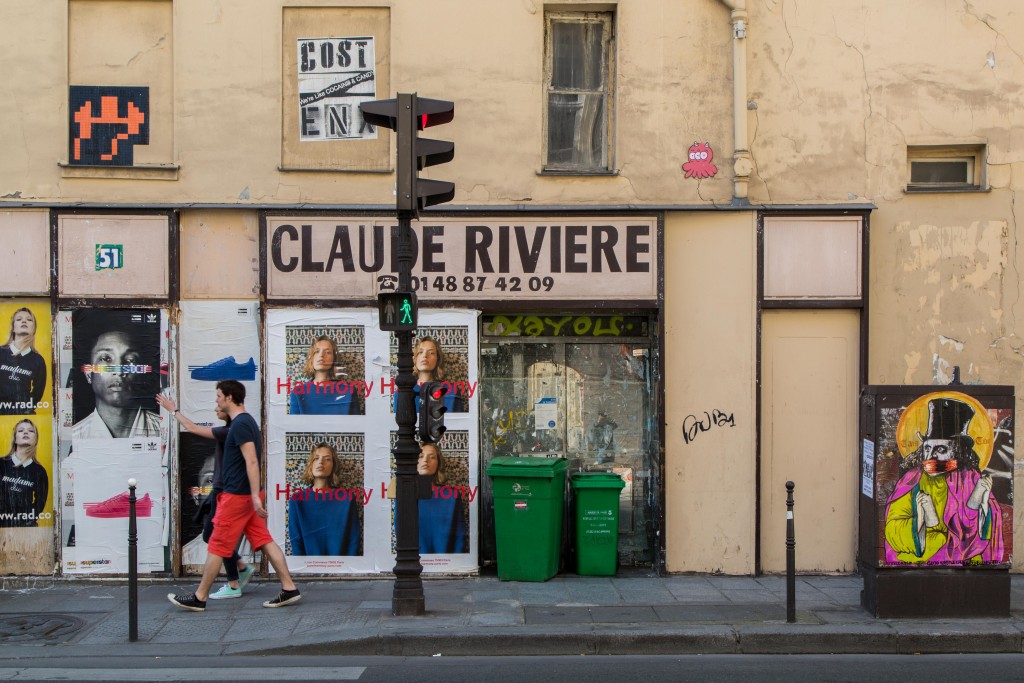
point(790, 557)
point(133, 569)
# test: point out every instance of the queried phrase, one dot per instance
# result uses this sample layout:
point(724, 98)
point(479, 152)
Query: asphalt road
point(746, 668)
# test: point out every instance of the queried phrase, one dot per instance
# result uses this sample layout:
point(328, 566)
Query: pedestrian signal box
point(397, 311)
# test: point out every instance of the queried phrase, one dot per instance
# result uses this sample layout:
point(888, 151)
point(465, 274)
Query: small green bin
point(529, 499)
point(596, 497)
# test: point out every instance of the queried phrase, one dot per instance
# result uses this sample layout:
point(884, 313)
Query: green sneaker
point(244, 576)
point(226, 592)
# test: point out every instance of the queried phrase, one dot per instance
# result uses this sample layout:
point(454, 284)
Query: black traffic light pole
point(407, 598)
point(406, 115)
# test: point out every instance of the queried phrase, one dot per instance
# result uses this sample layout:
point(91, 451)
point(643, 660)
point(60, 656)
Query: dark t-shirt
point(220, 434)
point(22, 382)
point(234, 477)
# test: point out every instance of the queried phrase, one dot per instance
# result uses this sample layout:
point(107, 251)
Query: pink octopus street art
point(699, 165)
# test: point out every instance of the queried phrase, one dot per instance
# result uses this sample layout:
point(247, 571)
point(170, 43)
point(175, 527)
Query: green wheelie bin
point(596, 500)
point(529, 499)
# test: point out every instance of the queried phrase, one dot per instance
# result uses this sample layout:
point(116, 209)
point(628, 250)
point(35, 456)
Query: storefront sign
point(496, 258)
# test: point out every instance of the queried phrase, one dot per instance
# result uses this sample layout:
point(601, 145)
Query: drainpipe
point(742, 165)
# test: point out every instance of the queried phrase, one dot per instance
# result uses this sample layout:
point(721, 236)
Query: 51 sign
point(109, 256)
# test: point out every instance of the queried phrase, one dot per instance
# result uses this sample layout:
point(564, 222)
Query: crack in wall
point(970, 11)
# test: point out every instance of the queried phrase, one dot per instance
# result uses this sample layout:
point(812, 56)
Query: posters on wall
point(112, 363)
point(335, 75)
point(219, 340)
point(26, 436)
point(944, 481)
point(330, 395)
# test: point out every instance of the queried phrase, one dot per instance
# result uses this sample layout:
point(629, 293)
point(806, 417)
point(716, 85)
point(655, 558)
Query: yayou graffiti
point(945, 482)
point(106, 122)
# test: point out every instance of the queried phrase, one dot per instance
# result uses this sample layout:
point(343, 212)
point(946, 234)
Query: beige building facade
point(722, 217)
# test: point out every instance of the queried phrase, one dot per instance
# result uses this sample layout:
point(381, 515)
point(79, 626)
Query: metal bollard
point(133, 569)
point(790, 557)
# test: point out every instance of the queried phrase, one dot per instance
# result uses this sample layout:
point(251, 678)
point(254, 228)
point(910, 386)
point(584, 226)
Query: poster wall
point(218, 340)
point(330, 419)
point(26, 436)
point(112, 363)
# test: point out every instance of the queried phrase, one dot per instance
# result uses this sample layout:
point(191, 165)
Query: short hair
point(233, 389)
point(10, 333)
point(439, 368)
point(14, 437)
point(308, 368)
point(439, 476)
point(334, 482)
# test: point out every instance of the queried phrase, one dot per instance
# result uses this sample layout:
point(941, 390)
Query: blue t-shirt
point(327, 526)
point(442, 528)
point(316, 400)
point(243, 430)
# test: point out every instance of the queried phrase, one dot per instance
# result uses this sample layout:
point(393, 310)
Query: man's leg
point(210, 571)
point(277, 561)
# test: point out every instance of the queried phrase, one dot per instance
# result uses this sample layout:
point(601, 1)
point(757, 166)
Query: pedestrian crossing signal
point(397, 311)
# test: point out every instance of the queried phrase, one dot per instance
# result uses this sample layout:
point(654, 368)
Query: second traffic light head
point(432, 410)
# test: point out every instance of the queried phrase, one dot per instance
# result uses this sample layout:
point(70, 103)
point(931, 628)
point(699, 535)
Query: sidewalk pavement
point(568, 615)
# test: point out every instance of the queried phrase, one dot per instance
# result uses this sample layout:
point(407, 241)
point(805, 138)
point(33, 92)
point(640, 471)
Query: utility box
point(936, 500)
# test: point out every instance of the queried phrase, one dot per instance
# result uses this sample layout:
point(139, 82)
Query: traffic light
point(407, 115)
point(432, 410)
point(397, 311)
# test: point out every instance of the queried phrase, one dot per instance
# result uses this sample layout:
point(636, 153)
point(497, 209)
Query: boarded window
point(812, 258)
point(578, 112)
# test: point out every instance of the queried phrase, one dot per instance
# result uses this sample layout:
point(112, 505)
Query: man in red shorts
point(239, 506)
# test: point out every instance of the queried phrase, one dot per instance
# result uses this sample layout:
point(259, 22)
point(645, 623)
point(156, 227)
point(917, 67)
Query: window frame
point(973, 155)
point(606, 90)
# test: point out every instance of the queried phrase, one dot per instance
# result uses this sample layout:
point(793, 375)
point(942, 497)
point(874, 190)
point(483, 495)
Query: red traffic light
point(433, 112)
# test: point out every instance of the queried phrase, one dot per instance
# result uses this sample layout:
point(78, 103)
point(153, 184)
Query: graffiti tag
point(564, 326)
point(692, 425)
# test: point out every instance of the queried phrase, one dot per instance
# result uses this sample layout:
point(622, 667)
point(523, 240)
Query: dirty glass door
point(568, 392)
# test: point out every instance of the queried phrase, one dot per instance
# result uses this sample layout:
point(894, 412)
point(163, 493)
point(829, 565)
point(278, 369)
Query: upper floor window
point(578, 75)
point(942, 168)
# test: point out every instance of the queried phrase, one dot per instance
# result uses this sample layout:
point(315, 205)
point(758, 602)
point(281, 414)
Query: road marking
point(276, 673)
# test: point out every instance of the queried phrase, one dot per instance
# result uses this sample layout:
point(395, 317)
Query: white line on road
point(273, 673)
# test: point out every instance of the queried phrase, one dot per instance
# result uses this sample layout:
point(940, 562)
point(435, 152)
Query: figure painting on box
point(945, 508)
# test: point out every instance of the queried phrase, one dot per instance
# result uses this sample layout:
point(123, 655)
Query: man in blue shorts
point(239, 506)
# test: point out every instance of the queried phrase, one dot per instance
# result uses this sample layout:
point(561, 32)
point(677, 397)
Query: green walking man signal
point(397, 311)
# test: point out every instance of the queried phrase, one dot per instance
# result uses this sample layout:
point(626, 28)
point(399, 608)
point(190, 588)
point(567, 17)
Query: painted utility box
point(936, 500)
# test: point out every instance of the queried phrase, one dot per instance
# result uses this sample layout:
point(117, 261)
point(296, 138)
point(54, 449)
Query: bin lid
point(596, 480)
point(506, 466)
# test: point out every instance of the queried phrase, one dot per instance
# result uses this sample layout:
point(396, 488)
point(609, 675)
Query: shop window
point(578, 107)
point(812, 258)
point(956, 168)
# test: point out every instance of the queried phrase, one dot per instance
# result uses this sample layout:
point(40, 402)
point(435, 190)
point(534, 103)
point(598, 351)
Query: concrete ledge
point(962, 637)
point(817, 639)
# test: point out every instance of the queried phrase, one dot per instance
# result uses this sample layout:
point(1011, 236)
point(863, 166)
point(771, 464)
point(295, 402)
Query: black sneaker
point(188, 601)
point(284, 598)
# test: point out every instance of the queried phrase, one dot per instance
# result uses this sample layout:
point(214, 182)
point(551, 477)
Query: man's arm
point(252, 469)
point(168, 404)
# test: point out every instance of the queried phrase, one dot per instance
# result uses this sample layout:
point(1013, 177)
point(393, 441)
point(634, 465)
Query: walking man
point(239, 506)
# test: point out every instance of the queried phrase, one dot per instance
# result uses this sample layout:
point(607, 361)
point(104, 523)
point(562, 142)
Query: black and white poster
point(335, 75)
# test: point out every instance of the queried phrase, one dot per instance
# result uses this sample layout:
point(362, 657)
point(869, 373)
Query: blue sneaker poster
point(218, 340)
